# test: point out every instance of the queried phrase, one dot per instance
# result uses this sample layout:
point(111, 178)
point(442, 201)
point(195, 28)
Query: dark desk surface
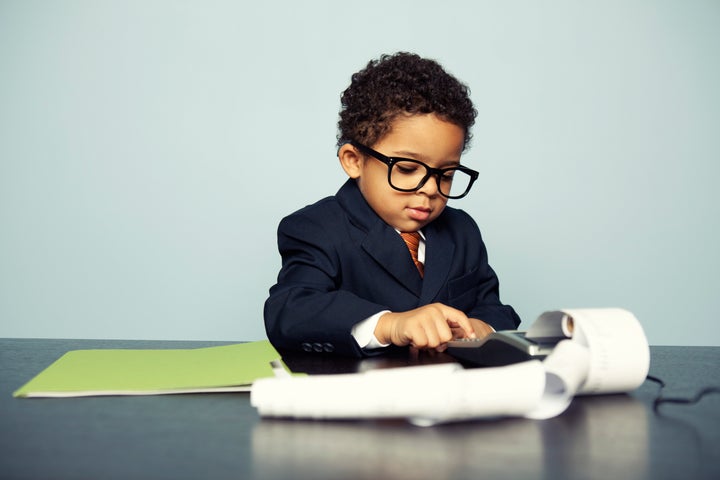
point(207, 436)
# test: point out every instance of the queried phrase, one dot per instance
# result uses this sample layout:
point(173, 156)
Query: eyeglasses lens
point(409, 175)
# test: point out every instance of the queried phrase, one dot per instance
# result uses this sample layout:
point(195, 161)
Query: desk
point(208, 436)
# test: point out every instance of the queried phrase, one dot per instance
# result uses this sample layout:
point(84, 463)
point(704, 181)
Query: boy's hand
point(481, 328)
point(430, 326)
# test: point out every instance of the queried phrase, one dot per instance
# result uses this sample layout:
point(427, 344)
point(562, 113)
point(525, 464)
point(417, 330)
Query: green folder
point(229, 368)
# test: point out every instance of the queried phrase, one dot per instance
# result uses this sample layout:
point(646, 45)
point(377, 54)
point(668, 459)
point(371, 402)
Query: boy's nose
point(430, 186)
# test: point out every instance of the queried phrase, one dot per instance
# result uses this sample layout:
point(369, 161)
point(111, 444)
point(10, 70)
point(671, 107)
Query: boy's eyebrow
point(417, 156)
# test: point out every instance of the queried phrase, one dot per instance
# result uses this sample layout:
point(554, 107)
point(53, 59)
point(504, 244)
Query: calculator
point(500, 348)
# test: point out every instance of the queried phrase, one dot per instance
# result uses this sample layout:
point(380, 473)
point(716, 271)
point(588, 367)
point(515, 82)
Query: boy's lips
point(419, 213)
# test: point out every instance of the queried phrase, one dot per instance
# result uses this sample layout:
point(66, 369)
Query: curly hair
point(402, 83)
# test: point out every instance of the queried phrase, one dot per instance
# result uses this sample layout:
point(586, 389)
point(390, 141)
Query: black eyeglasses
point(407, 175)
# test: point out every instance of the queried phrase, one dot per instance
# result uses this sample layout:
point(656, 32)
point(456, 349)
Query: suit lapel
point(381, 241)
point(439, 253)
point(388, 249)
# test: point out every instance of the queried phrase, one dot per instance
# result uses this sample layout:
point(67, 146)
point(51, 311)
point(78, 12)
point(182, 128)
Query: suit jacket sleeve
point(307, 309)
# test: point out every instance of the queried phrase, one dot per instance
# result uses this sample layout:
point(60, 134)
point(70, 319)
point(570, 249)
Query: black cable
point(659, 399)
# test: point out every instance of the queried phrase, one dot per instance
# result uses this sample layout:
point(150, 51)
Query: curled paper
point(619, 351)
point(565, 372)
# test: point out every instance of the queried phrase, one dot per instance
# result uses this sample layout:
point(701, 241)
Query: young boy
point(351, 283)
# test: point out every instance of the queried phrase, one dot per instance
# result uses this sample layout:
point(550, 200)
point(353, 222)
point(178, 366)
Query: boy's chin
point(411, 226)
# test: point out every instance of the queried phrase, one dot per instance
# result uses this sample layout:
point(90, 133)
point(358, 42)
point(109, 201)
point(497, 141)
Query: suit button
point(307, 347)
point(317, 347)
point(328, 347)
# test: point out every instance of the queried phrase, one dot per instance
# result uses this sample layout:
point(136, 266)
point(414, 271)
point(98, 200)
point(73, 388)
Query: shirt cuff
point(364, 332)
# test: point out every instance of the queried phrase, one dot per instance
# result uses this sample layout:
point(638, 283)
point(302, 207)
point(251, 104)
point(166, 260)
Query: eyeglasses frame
point(431, 172)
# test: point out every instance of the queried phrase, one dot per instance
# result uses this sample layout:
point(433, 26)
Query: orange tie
point(412, 240)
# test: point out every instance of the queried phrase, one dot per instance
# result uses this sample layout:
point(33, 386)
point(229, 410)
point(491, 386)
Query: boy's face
point(426, 138)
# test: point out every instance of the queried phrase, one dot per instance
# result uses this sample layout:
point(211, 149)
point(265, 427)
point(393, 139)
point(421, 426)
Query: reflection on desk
point(570, 446)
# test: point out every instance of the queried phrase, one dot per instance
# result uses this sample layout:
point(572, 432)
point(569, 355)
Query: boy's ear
point(351, 160)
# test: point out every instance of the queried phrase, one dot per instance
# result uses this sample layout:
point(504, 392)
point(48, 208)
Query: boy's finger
point(460, 320)
point(465, 325)
point(419, 338)
point(433, 335)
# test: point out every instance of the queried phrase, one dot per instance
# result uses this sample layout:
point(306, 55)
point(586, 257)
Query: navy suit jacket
point(341, 263)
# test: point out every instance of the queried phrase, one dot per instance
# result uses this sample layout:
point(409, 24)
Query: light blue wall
point(149, 148)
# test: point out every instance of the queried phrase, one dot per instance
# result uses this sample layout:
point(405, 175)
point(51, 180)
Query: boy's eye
point(407, 168)
point(448, 176)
